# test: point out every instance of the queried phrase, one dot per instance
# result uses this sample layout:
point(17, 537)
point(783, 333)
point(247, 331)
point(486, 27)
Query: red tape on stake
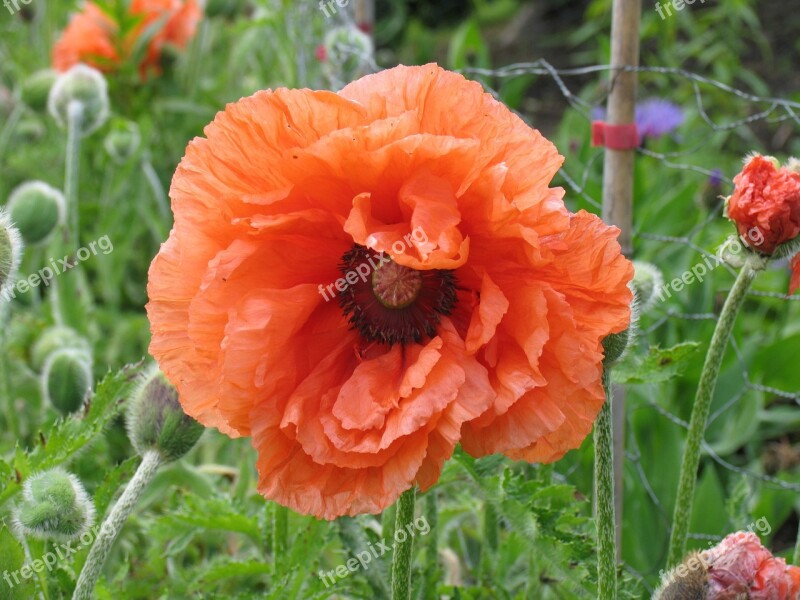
point(615, 137)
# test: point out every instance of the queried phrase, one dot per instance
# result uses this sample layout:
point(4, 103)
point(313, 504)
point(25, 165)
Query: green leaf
point(216, 513)
point(468, 48)
point(12, 559)
point(69, 436)
point(658, 366)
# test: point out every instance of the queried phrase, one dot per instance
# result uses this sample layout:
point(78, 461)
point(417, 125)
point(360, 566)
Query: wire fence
point(759, 109)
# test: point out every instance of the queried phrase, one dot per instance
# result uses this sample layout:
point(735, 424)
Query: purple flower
point(715, 179)
point(654, 117)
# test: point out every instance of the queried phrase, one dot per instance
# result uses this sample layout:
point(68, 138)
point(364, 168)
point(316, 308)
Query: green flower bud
point(647, 280)
point(36, 89)
point(349, 54)
point(54, 506)
point(156, 420)
point(88, 88)
point(37, 210)
point(616, 345)
point(67, 379)
point(10, 254)
point(57, 338)
point(123, 140)
point(30, 129)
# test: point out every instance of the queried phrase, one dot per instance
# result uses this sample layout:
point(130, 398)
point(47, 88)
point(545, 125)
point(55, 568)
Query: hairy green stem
point(604, 498)
point(75, 115)
point(796, 557)
point(702, 405)
point(151, 461)
point(432, 575)
point(280, 532)
point(489, 546)
point(401, 563)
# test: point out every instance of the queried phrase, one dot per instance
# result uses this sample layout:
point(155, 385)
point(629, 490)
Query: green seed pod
point(67, 379)
point(54, 506)
point(57, 338)
point(122, 141)
point(647, 280)
point(156, 420)
point(687, 581)
point(36, 89)
point(37, 210)
point(10, 255)
point(88, 88)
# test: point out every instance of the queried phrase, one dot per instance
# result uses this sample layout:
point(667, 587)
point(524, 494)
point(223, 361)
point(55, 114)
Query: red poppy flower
point(739, 566)
point(92, 36)
point(360, 280)
point(765, 204)
point(794, 282)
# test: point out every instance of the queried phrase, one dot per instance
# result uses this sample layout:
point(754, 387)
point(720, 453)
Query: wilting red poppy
point(360, 280)
point(92, 36)
point(739, 566)
point(765, 204)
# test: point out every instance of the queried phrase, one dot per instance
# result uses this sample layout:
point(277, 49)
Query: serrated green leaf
point(69, 436)
point(658, 366)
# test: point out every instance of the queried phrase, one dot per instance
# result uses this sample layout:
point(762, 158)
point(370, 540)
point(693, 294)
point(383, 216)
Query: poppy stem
point(109, 531)
point(280, 532)
point(604, 498)
point(401, 564)
point(75, 114)
point(796, 557)
point(702, 405)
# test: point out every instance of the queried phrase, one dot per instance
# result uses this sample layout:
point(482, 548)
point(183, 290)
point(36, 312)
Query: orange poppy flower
point(92, 36)
point(765, 204)
point(360, 280)
point(739, 566)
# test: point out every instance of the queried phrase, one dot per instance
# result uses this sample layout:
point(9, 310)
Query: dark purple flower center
point(393, 304)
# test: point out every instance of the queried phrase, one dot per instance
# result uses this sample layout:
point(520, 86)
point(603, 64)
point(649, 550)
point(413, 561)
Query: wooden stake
point(618, 188)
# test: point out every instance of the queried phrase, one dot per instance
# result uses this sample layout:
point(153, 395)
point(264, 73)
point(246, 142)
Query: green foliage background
point(501, 529)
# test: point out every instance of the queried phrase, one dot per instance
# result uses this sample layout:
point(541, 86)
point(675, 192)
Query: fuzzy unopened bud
point(67, 379)
point(156, 420)
point(616, 345)
point(56, 338)
point(37, 210)
point(10, 254)
point(647, 280)
point(36, 89)
point(84, 87)
point(348, 54)
point(123, 140)
point(687, 581)
point(54, 506)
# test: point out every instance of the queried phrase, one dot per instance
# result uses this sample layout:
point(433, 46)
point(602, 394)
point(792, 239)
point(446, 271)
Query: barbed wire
point(764, 109)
